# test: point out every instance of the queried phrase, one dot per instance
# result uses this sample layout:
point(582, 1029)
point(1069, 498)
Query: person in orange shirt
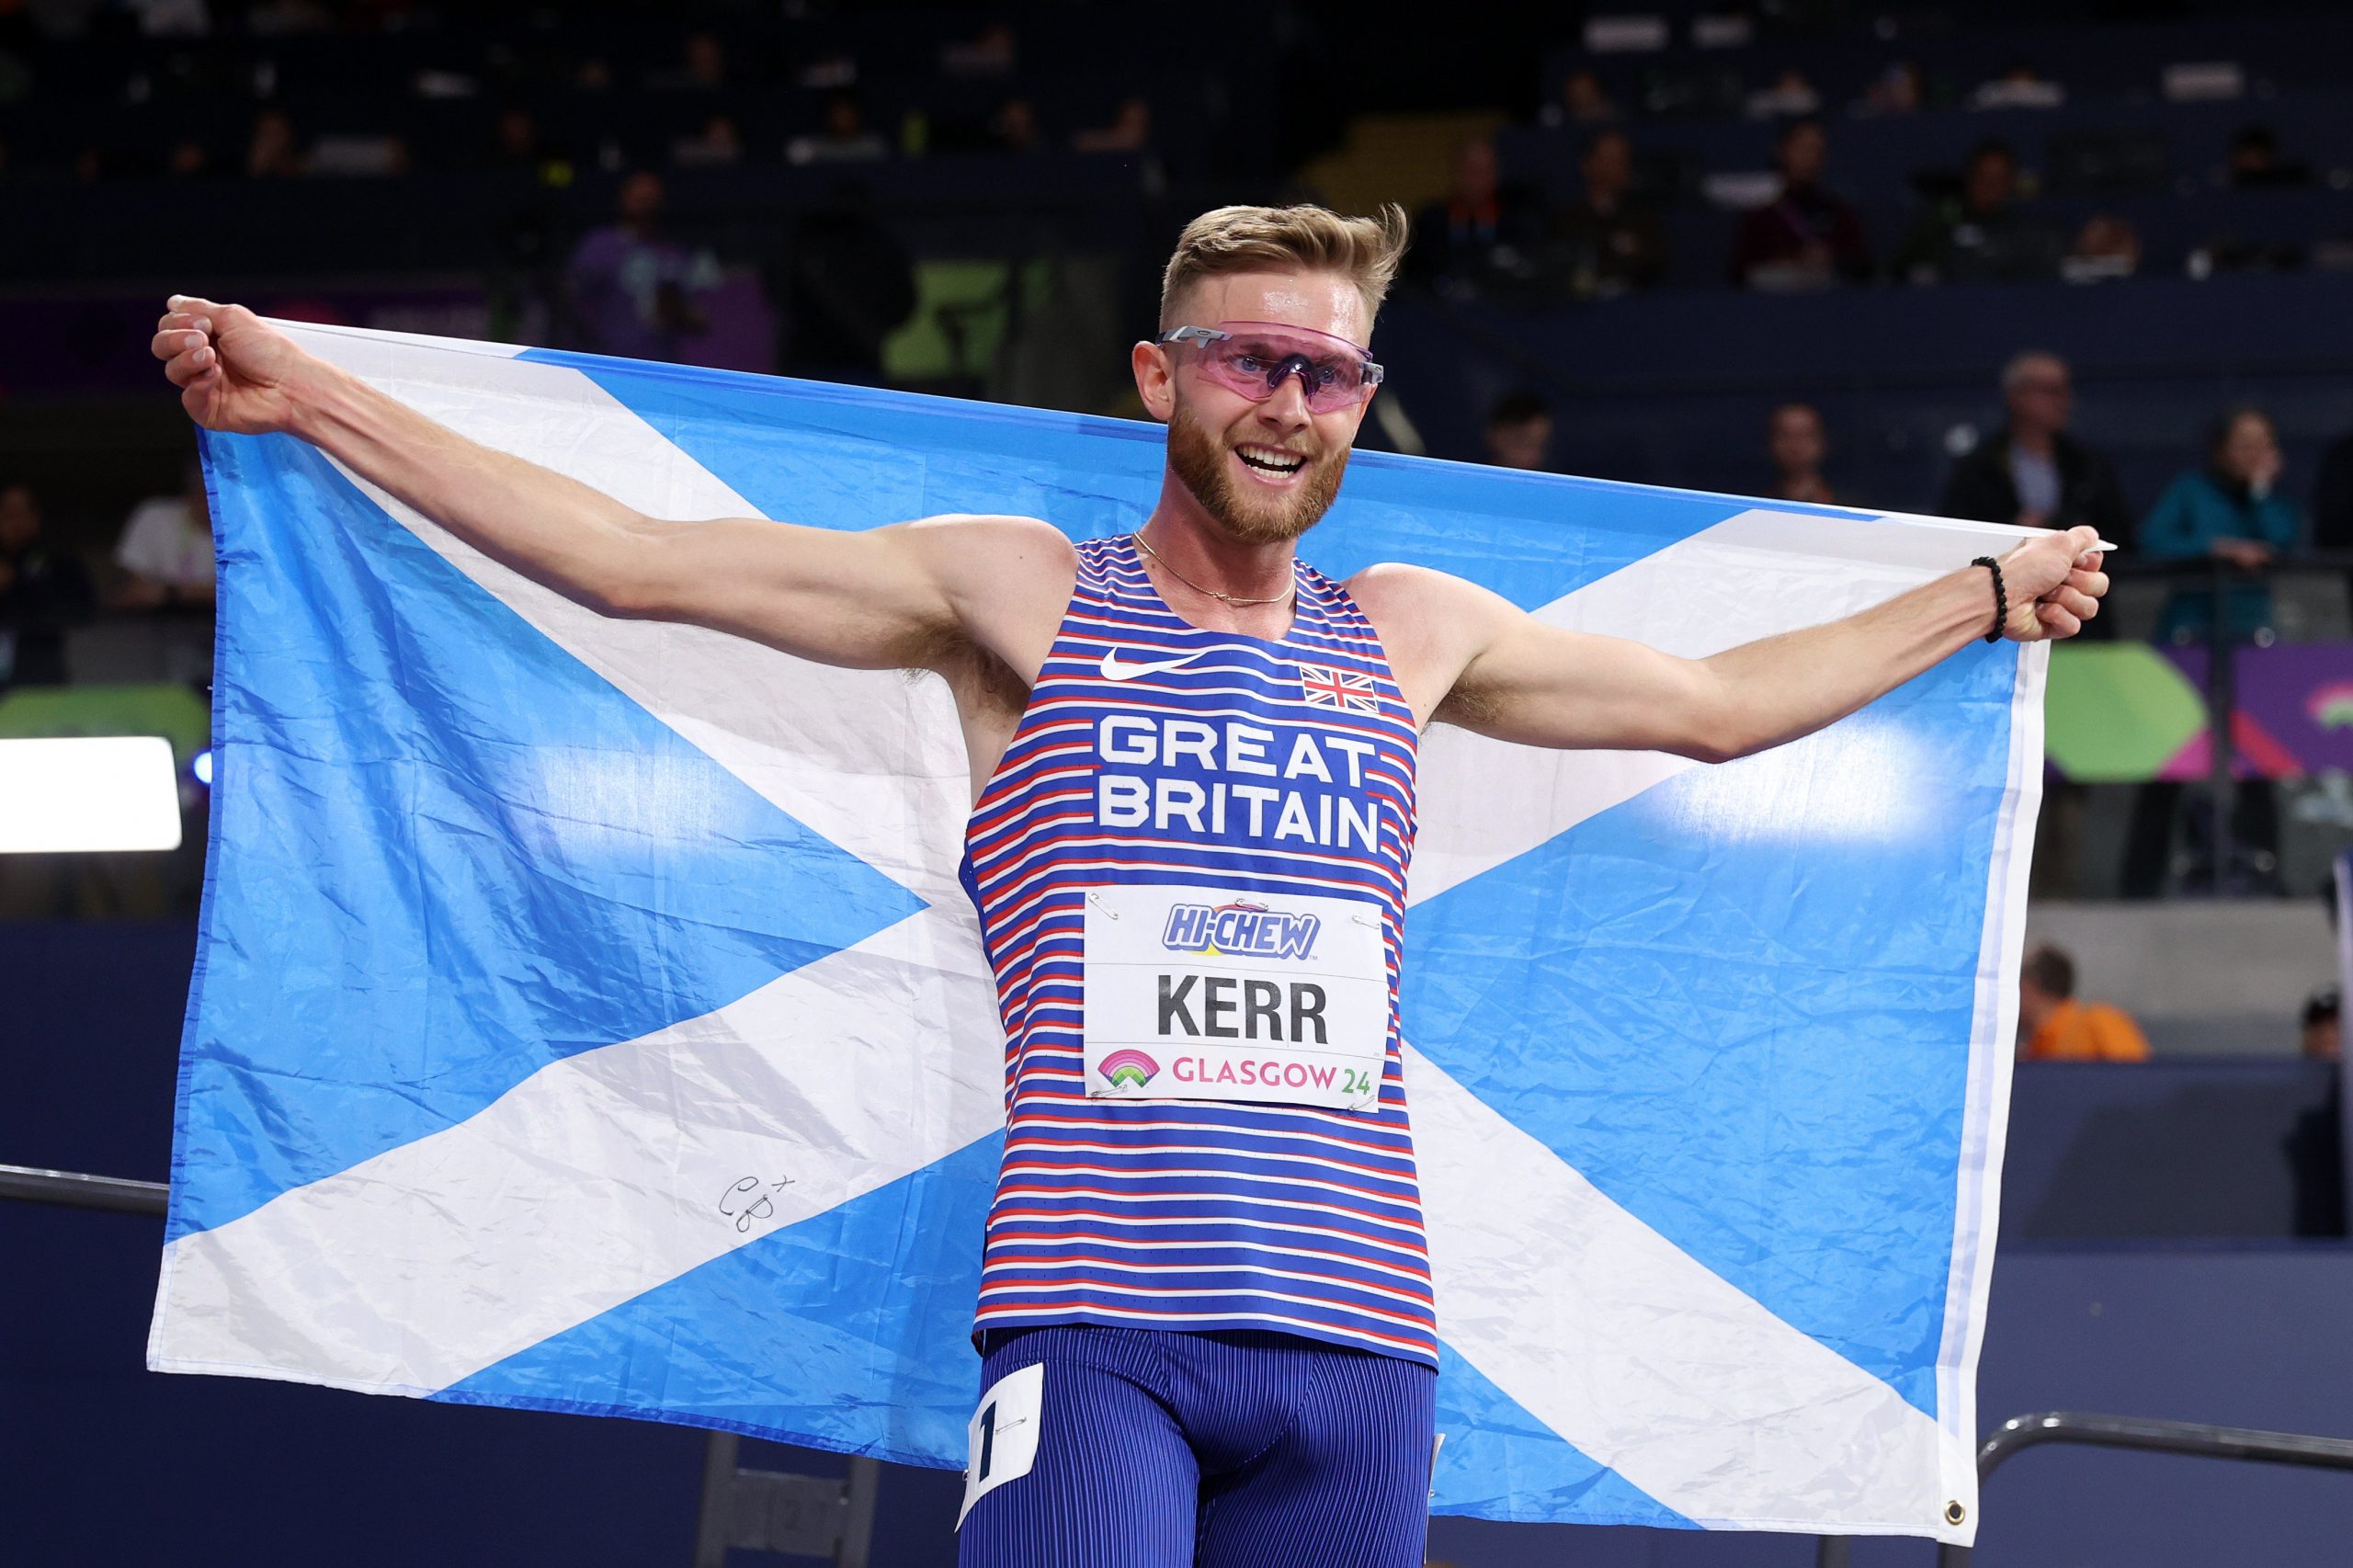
point(2058, 1028)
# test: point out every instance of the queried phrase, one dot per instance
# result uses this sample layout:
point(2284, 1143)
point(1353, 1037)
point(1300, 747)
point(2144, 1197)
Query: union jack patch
point(1326, 688)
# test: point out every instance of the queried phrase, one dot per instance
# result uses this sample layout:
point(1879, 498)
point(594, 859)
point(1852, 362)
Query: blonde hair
point(1366, 251)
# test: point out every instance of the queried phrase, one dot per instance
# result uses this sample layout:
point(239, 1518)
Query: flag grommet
point(1955, 1514)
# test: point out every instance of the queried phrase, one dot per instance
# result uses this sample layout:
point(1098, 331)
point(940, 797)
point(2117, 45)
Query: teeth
point(1272, 460)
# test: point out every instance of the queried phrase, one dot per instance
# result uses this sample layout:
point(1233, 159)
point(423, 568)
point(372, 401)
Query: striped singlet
point(1154, 754)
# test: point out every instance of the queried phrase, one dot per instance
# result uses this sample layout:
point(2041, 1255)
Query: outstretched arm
point(905, 596)
point(1481, 661)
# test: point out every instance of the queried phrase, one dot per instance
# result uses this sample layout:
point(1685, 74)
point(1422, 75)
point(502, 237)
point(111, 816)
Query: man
point(43, 590)
point(2321, 1036)
point(1518, 432)
point(1613, 240)
point(1806, 237)
point(1797, 443)
point(633, 292)
point(165, 551)
point(1476, 238)
point(1205, 1293)
point(2032, 473)
point(2057, 1028)
point(1982, 236)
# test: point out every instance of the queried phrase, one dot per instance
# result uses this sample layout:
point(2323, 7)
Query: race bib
point(1203, 993)
point(1001, 1442)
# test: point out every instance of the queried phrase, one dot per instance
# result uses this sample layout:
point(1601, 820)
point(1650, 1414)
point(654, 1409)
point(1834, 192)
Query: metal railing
point(814, 1515)
point(759, 1510)
point(75, 1189)
point(2150, 1436)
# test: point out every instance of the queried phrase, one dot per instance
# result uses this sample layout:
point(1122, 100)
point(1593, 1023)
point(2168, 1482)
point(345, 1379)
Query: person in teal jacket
point(2230, 508)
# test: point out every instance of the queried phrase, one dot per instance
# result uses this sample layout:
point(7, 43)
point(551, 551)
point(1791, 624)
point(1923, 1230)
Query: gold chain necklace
point(1230, 601)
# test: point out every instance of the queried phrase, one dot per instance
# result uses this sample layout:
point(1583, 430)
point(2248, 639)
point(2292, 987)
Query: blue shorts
point(1155, 1449)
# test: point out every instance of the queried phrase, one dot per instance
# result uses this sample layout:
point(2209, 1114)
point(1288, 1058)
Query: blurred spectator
point(2057, 1028)
point(1790, 94)
point(1478, 236)
point(633, 292)
point(518, 143)
point(2322, 1038)
point(1130, 130)
point(1013, 126)
point(1895, 90)
point(2021, 86)
point(718, 142)
point(1582, 101)
point(165, 551)
point(2106, 247)
point(1806, 237)
point(1796, 441)
point(842, 139)
point(187, 159)
point(1614, 241)
point(2315, 1145)
point(843, 286)
point(1518, 432)
point(42, 591)
point(992, 54)
point(273, 149)
point(702, 66)
point(1981, 236)
point(2333, 499)
point(2031, 471)
point(2255, 163)
point(2230, 509)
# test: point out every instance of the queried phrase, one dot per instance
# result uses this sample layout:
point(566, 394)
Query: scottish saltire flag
point(587, 1015)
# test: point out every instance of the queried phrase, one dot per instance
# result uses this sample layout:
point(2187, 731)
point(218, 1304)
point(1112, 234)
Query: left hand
point(2054, 585)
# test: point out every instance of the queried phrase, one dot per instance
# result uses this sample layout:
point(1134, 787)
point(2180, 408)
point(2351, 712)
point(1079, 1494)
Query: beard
point(1199, 460)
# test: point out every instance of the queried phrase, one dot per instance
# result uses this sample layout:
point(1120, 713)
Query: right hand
point(235, 373)
point(2247, 554)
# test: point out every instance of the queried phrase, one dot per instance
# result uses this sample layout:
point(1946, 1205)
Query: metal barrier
point(2150, 1436)
point(757, 1510)
point(811, 1515)
point(31, 1184)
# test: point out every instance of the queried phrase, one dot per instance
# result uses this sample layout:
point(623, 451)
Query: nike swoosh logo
point(1113, 669)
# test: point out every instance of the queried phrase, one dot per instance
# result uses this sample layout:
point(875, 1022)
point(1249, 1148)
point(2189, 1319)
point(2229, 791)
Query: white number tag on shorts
point(1001, 1443)
point(1201, 994)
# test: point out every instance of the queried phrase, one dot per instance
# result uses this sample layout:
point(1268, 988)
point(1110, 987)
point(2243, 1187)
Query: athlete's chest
point(1187, 734)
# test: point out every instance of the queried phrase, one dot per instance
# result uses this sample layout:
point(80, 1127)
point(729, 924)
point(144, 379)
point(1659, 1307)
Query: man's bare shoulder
point(1431, 623)
point(1007, 581)
point(1394, 585)
point(1418, 602)
point(1021, 539)
point(989, 553)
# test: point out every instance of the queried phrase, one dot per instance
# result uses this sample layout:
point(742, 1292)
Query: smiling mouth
point(1272, 463)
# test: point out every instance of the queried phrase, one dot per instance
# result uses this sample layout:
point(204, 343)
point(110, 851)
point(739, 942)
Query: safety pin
point(1098, 904)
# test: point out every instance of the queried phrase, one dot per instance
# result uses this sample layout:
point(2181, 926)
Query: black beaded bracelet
point(2001, 597)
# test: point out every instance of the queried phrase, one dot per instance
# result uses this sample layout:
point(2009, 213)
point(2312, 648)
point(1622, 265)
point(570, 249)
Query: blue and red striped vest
point(1196, 1214)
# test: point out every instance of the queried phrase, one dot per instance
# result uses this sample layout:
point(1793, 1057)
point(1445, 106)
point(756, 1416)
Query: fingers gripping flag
point(587, 1015)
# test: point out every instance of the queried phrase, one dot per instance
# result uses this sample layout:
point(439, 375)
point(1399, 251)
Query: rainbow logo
point(1128, 1068)
point(2331, 706)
